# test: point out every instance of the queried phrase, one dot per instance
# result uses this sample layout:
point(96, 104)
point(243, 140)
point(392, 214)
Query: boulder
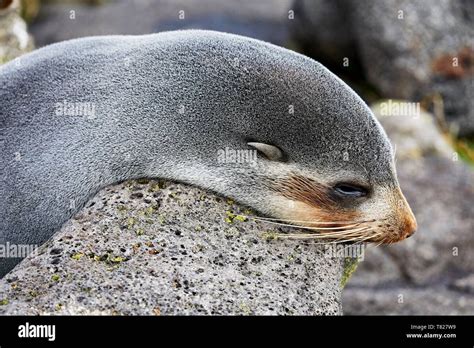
point(150, 248)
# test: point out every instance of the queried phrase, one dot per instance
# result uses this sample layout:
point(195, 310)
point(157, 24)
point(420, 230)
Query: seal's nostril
point(410, 225)
point(411, 231)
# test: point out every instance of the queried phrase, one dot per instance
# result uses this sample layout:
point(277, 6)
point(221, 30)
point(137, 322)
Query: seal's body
point(83, 114)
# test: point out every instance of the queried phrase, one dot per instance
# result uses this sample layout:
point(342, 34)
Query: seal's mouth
point(309, 206)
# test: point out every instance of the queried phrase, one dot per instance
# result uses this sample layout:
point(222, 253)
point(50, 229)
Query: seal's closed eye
point(347, 190)
point(271, 152)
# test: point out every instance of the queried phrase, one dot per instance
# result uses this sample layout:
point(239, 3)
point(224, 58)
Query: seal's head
point(341, 183)
point(335, 170)
point(323, 160)
point(326, 161)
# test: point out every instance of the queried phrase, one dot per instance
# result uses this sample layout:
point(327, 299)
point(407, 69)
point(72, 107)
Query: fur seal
point(80, 115)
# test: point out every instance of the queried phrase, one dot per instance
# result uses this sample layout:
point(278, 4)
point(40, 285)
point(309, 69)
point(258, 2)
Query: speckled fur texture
point(164, 105)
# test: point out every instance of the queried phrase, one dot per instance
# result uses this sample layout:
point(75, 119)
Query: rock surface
point(153, 248)
point(408, 49)
point(431, 270)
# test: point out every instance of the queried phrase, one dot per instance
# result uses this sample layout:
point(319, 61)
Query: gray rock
point(149, 248)
point(407, 48)
point(14, 37)
point(465, 284)
point(320, 29)
point(440, 191)
point(410, 54)
point(408, 301)
point(264, 19)
point(376, 268)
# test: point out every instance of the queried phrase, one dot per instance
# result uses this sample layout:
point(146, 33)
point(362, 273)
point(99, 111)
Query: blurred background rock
point(263, 19)
point(417, 51)
point(404, 48)
point(14, 37)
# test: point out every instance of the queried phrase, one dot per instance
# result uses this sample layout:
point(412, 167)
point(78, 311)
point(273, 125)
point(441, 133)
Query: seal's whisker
point(326, 241)
point(317, 228)
point(358, 238)
point(373, 233)
point(366, 237)
point(378, 244)
point(361, 237)
point(370, 236)
point(362, 231)
point(305, 236)
point(350, 235)
point(307, 221)
point(335, 234)
point(375, 245)
point(334, 230)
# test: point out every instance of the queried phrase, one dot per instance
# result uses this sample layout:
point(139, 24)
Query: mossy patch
point(350, 265)
point(77, 256)
point(117, 259)
point(108, 258)
point(131, 222)
point(245, 308)
point(150, 210)
point(269, 235)
point(465, 149)
point(162, 219)
point(143, 181)
point(231, 217)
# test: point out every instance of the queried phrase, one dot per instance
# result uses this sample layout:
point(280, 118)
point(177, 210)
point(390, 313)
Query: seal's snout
point(407, 224)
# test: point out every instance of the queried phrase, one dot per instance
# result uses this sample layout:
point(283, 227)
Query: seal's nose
point(407, 220)
point(410, 226)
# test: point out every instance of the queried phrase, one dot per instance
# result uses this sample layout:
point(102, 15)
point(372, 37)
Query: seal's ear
point(271, 152)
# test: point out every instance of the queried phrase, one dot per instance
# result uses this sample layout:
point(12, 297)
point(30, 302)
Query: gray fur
point(164, 105)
